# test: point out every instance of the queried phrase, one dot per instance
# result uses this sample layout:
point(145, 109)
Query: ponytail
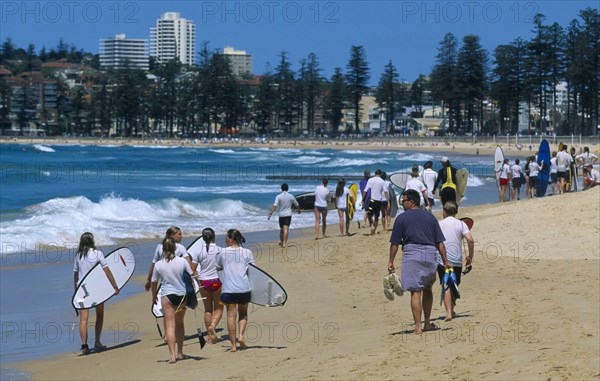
point(236, 236)
point(208, 235)
point(168, 247)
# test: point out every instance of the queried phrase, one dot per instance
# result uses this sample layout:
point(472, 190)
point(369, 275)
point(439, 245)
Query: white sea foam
point(357, 163)
point(474, 181)
point(61, 221)
point(417, 158)
point(225, 151)
point(307, 160)
point(43, 148)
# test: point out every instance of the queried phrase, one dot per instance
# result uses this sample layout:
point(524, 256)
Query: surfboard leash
point(201, 338)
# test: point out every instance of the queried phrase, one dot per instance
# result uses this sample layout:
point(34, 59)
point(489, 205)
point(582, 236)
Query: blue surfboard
point(543, 155)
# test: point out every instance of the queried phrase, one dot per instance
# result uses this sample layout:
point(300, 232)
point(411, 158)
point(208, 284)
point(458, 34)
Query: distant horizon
point(387, 30)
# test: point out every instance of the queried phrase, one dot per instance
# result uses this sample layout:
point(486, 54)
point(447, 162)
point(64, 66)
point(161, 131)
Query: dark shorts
point(447, 194)
point(374, 208)
point(321, 208)
point(211, 284)
point(516, 182)
point(561, 175)
point(533, 181)
point(457, 272)
point(176, 300)
point(552, 178)
point(237, 298)
point(285, 221)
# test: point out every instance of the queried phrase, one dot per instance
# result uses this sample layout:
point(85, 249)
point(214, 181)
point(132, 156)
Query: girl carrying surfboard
point(86, 258)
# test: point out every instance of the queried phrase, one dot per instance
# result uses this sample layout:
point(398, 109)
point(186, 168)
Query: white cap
point(444, 159)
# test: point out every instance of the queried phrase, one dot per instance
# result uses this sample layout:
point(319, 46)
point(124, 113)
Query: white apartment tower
point(173, 37)
point(114, 52)
point(240, 61)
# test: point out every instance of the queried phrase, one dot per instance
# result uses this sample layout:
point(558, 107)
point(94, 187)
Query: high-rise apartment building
point(173, 37)
point(114, 52)
point(241, 62)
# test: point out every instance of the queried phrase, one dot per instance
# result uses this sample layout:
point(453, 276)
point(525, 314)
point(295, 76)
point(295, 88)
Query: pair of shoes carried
point(85, 350)
point(395, 283)
point(388, 290)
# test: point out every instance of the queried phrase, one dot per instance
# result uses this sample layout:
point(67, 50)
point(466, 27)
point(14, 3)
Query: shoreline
point(339, 325)
point(437, 144)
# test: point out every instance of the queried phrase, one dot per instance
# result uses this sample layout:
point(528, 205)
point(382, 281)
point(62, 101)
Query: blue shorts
point(235, 298)
point(321, 208)
point(553, 178)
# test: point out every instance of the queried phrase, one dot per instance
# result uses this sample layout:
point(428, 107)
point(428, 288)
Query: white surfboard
point(265, 290)
point(399, 179)
point(95, 288)
point(498, 162)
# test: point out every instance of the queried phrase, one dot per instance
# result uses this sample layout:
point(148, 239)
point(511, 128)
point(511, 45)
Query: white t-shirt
point(170, 275)
point(429, 176)
point(553, 166)
point(206, 260)
point(341, 201)
point(321, 196)
point(180, 251)
point(504, 173)
point(563, 160)
point(416, 184)
point(534, 169)
point(234, 274)
point(587, 157)
point(595, 175)
point(376, 184)
point(516, 171)
point(284, 201)
point(454, 230)
point(82, 266)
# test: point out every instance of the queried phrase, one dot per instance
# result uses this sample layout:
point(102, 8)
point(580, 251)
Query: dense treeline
point(481, 92)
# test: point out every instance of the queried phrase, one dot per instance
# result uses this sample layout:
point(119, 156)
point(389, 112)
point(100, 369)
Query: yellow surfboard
point(352, 206)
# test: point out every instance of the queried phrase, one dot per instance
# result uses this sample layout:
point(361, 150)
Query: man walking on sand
point(454, 231)
point(284, 201)
point(378, 194)
point(420, 235)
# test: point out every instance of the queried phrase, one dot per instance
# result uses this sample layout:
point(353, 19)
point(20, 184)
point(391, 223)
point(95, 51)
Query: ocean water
point(51, 194)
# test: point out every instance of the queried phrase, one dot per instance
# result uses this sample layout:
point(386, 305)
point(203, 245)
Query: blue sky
point(405, 32)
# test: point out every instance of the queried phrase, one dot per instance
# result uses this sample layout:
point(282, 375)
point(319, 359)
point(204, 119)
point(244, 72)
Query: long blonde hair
point(168, 247)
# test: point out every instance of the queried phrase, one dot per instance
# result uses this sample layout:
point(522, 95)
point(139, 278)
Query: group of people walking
point(220, 273)
point(563, 174)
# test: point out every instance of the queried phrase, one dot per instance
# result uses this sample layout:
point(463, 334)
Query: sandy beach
point(529, 310)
